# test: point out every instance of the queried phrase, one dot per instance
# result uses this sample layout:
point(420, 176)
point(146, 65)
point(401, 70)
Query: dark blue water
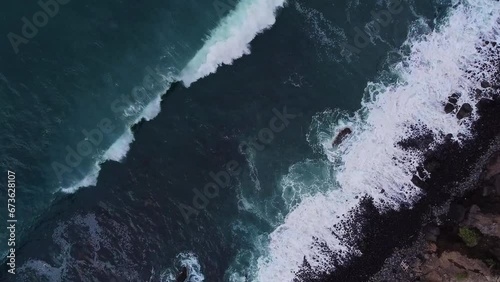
point(153, 203)
point(66, 78)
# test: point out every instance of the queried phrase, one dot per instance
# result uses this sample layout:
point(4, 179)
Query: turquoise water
point(96, 200)
point(81, 69)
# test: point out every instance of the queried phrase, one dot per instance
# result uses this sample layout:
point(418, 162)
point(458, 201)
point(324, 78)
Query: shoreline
point(391, 241)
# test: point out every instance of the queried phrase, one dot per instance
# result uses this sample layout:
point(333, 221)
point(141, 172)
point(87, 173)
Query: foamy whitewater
point(228, 41)
point(231, 39)
point(369, 160)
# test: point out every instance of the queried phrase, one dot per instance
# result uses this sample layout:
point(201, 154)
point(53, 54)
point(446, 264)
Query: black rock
point(183, 275)
point(448, 108)
point(431, 165)
point(484, 102)
point(485, 84)
point(341, 136)
point(465, 111)
point(455, 95)
point(453, 100)
point(497, 183)
point(488, 191)
point(456, 213)
point(431, 233)
point(419, 182)
point(495, 251)
point(421, 172)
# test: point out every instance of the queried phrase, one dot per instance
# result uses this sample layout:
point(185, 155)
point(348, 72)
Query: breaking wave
point(227, 42)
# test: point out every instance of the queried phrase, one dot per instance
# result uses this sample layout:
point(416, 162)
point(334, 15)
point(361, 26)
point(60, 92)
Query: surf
point(227, 42)
point(446, 59)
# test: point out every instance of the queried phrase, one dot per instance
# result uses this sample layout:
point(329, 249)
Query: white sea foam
point(116, 152)
point(119, 149)
point(152, 109)
point(368, 161)
point(89, 180)
point(231, 39)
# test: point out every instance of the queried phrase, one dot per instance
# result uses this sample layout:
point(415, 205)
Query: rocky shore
point(452, 232)
point(460, 242)
point(460, 237)
point(465, 245)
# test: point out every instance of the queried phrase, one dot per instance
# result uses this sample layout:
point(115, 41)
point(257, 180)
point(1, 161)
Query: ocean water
point(132, 128)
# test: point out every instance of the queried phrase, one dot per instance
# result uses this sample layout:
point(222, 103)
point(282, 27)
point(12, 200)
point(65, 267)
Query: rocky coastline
point(460, 238)
point(452, 232)
point(466, 246)
point(461, 241)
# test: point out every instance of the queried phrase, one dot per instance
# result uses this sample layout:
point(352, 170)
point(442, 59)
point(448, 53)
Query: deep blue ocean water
point(139, 204)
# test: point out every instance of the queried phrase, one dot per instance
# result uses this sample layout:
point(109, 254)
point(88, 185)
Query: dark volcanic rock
point(431, 233)
point(182, 276)
point(489, 191)
point(417, 181)
point(465, 111)
point(448, 137)
point(497, 183)
point(493, 167)
point(421, 141)
point(484, 102)
point(341, 136)
point(449, 108)
point(457, 213)
point(421, 172)
point(485, 84)
point(455, 95)
point(431, 165)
